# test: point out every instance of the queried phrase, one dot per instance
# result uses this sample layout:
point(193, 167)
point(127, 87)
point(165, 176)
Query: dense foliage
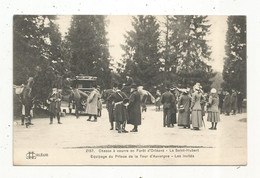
point(142, 51)
point(89, 48)
point(234, 72)
point(188, 51)
point(37, 53)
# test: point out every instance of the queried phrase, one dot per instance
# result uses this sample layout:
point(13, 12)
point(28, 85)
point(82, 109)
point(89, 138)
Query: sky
point(119, 25)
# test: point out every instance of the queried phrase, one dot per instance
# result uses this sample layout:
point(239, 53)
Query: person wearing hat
point(54, 99)
point(129, 80)
point(127, 86)
point(196, 110)
point(116, 96)
point(134, 108)
point(213, 112)
point(168, 101)
point(121, 115)
point(184, 109)
point(92, 103)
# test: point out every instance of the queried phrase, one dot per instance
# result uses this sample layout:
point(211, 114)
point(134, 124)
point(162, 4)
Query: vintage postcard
point(129, 90)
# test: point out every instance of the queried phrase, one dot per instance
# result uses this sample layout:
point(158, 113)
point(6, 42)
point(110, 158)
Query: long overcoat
point(120, 112)
point(92, 103)
point(234, 101)
point(227, 103)
point(134, 108)
point(184, 117)
point(168, 100)
point(114, 97)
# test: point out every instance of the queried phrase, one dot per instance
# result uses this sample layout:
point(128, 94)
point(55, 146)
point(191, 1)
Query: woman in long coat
point(92, 106)
point(213, 112)
point(227, 104)
point(196, 114)
point(134, 108)
point(184, 110)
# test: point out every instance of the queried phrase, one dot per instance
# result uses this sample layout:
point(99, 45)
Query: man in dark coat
point(239, 102)
point(121, 115)
point(167, 101)
point(173, 107)
point(134, 108)
point(221, 97)
point(54, 99)
point(227, 104)
point(116, 96)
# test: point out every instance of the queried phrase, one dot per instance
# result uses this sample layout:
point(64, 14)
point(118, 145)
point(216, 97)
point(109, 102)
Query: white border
point(116, 7)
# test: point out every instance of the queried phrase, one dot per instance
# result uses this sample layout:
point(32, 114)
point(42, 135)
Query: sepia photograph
point(129, 90)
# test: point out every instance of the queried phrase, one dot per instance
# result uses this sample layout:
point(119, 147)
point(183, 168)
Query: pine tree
point(89, 48)
point(36, 44)
point(188, 51)
point(28, 43)
point(234, 72)
point(142, 56)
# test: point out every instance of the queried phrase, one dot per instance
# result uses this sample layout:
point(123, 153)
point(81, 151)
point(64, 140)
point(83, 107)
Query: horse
point(78, 101)
point(144, 96)
point(27, 102)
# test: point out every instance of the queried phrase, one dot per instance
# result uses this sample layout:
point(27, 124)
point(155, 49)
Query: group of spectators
point(192, 104)
point(230, 103)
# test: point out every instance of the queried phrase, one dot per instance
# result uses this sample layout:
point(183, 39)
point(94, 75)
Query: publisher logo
point(33, 155)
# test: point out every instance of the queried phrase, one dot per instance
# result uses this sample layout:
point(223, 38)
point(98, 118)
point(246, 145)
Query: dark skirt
point(213, 117)
point(184, 119)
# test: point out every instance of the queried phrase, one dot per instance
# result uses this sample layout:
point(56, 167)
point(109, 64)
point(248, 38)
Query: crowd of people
point(126, 102)
point(192, 104)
